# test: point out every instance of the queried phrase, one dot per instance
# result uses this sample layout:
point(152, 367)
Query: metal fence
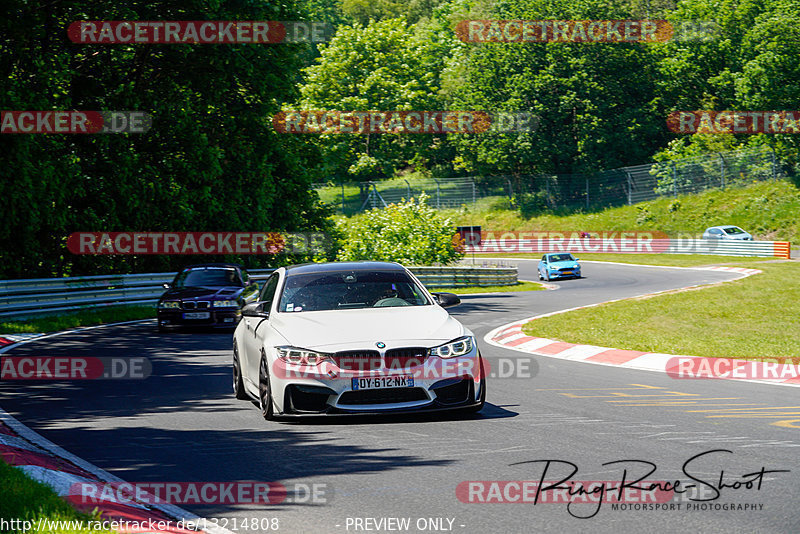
point(535, 193)
point(717, 247)
point(28, 298)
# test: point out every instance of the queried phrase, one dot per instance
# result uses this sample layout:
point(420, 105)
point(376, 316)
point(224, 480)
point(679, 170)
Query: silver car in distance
point(354, 338)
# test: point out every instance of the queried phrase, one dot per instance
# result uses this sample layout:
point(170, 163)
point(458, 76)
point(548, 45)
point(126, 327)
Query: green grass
point(671, 260)
point(755, 317)
point(768, 210)
point(76, 319)
point(520, 286)
point(26, 499)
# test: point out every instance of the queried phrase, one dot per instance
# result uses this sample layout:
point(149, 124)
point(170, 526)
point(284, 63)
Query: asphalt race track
point(183, 424)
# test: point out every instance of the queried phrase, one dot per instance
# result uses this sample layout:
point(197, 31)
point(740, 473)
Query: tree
point(410, 232)
point(209, 162)
point(383, 66)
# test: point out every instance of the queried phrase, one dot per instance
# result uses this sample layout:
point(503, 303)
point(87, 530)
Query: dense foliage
point(210, 161)
point(600, 105)
point(410, 232)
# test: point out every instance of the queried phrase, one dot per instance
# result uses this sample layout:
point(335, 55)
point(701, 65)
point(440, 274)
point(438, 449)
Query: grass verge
point(74, 320)
point(752, 318)
point(669, 260)
point(25, 499)
point(520, 286)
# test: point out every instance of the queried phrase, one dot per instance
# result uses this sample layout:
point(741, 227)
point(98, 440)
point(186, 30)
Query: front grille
point(405, 357)
point(358, 360)
point(383, 396)
point(365, 360)
point(195, 304)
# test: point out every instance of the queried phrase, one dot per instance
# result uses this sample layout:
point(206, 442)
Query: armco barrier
point(465, 276)
point(772, 249)
point(26, 298)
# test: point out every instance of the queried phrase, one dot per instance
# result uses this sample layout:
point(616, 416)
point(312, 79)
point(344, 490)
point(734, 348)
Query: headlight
point(225, 304)
point(169, 304)
point(459, 347)
point(297, 356)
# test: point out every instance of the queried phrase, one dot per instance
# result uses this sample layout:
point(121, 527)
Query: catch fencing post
point(473, 195)
point(674, 180)
point(774, 166)
point(587, 193)
point(630, 186)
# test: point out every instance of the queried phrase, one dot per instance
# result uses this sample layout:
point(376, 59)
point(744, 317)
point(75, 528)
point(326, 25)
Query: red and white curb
point(510, 336)
point(49, 464)
point(46, 462)
point(6, 340)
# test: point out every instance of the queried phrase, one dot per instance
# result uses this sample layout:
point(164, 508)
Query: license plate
point(566, 272)
point(383, 382)
point(197, 315)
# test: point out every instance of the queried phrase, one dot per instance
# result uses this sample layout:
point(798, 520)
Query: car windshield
point(733, 230)
point(561, 257)
point(207, 277)
point(350, 290)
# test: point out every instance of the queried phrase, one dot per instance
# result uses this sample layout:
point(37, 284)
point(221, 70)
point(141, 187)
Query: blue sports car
point(560, 265)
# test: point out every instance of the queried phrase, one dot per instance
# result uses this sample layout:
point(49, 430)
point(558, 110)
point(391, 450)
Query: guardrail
point(465, 276)
point(770, 249)
point(39, 296)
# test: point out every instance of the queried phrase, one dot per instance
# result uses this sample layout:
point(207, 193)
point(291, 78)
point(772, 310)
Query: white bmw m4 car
point(358, 337)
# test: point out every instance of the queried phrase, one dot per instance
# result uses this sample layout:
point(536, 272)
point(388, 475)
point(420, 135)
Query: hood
point(203, 293)
point(336, 330)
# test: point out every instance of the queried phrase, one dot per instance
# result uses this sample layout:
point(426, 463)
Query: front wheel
point(265, 390)
point(238, 383)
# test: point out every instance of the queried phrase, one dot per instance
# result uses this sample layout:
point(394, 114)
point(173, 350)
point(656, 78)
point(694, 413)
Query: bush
point(410, 232)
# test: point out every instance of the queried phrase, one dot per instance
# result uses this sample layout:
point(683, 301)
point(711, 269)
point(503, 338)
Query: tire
point(540, 276)
point(546, 276)
point(238, 383)
point(265, 390)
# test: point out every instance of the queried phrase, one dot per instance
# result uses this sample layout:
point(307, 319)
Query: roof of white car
point(348, 266)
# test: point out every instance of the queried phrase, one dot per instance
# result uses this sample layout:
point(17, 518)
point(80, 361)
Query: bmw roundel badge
point(380, 344)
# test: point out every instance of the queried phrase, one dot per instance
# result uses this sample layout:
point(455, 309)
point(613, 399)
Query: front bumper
point(576, 273)
point(328, 390)
point(221, 317)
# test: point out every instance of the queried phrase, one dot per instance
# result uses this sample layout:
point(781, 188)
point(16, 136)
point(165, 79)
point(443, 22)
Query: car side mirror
point(446, 300)
point(255, 309)
point(166, 285)
point(577, 259)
